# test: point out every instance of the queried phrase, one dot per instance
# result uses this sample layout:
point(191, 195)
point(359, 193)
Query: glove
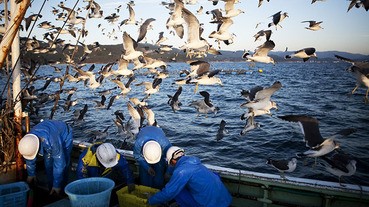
point(55, 191)
point(131, 187)
point(31, 179)
point(151, 171)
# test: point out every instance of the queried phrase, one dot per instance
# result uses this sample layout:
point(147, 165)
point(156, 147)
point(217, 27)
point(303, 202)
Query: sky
point(343, 31)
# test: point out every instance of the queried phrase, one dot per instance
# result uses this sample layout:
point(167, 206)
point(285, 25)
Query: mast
point(11, 40)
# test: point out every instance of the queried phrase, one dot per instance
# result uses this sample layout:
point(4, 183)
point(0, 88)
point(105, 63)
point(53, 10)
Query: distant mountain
point(111, 53)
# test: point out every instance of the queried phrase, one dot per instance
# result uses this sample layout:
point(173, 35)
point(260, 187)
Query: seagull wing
point(176, 95)
point(344, 59)
point(264, 49)
point(129, 43)
point(143, 29)
point(226, 23)
point(253, 92)
point(281, 165)
point(266, 93)
point(131, 12)
point(206, 96)
point(310, 128)
point(309, 50)
point(201, 67)
point(193, 25)
point(229, 5)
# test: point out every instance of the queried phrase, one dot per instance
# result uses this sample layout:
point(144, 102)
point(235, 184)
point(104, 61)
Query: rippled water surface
point(316, 89)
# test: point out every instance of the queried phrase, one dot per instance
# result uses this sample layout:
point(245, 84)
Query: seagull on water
point(313, 25)
point(261, 53)
point(340, 164)
point(305, 54)
point(283, 165)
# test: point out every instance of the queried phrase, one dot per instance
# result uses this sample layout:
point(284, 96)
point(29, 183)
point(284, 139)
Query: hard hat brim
point(110, 164)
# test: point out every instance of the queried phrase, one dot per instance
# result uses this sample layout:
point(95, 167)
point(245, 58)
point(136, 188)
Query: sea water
point(318, 89)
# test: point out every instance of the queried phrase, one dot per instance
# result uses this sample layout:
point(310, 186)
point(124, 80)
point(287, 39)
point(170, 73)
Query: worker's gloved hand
point(55, 191)
point(31, 179)
point(151, 171)
point(131, 187)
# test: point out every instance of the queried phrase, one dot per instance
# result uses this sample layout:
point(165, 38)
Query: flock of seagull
point(181, 22)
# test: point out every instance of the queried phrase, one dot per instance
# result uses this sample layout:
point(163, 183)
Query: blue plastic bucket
point(90, 192)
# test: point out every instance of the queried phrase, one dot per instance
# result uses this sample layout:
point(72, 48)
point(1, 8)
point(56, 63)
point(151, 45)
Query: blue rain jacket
point(204, 185)
point(88, 166)
point(156, 134)
point(56, 142)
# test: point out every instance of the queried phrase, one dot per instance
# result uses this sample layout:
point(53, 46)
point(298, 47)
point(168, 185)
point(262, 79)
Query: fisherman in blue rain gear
point(192, 184)
point(103, 160)
point(54, 141)
point(149, 151)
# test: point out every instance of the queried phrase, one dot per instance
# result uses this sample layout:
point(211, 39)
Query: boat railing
point(250, 188)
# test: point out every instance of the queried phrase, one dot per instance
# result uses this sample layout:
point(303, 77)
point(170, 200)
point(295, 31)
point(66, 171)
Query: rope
point(32, 75)
point(10, 75)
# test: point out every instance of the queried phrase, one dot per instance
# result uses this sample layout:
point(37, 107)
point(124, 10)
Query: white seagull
point(313, 25)
point(304, 54)
point(261, 53)
point(283, 165)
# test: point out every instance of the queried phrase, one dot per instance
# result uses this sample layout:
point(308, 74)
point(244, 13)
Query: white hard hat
point(28, 146)
point(107, 155)
point(152, 152)
point(174, 152)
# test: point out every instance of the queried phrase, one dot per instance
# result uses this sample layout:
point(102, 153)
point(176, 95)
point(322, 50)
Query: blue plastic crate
point(13, 194)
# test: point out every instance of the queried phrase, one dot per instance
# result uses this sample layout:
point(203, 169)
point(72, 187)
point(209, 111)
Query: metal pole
point(15, 48)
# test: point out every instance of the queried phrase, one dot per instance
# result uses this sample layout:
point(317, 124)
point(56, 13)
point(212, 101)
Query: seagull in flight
point(204, 106)
point(313, 25)
point(304, 54)
point(261, 53)
point(259, 102)
point(277, 19)
point(361, 72)
point(318, 145)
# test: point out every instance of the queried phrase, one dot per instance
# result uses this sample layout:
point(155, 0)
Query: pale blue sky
point(343, 31)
